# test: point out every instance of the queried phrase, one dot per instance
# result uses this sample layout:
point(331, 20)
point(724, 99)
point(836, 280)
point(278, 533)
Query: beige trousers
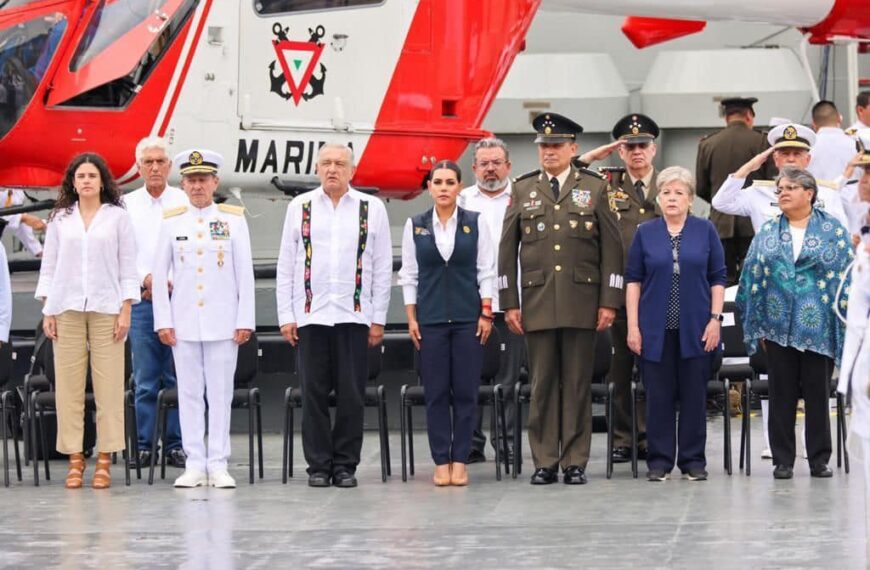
point(80, 334)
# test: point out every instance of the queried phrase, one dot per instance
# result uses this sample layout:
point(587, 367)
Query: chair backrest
point(375, 361)
point(247, 363)
point(732, 335)
point(603, 356)
point(491, 356)
point(6, 365)
point(758, 361)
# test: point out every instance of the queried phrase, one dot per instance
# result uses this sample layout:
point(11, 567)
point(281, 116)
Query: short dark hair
point(802, 177)
point(449, 165)
point(863, 99)
point(825, 113)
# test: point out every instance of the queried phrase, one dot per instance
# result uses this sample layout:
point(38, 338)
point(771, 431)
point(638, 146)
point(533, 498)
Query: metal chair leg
point(410, 412)
point(634, 442)
point(259, 433)
point(44, 438)
point(841, 417)
point(389, 460)
point(727, 386)
point(496, 391)
point(250, 439)
point(518, 428)
point(291, 427)
point(164, 428)
point(285, 434)
point(610, 423)
point(34, 448)
point(504, 432)
point(748, 425)
point(4, 418)
point(402, 420)
point(382, 436)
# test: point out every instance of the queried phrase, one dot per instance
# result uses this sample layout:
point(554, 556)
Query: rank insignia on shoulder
point(229, 209)
point(526, 175)
point(172, 212)
point(592, 173)
point(764, 183)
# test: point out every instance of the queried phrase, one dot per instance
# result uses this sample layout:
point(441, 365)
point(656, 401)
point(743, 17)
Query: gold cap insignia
point(790, 134)
point(547, 130)
point(195, 158)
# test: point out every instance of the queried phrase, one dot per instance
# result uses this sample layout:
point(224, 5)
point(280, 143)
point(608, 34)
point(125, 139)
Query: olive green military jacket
point(569, 252)
point(719, 155)
point(630, 211)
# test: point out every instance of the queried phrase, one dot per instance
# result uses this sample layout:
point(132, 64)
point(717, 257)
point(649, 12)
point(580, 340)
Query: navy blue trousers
point(671, 381)
point(451, 358)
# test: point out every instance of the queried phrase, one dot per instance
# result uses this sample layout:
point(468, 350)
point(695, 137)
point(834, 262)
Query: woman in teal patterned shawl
point(786, 303)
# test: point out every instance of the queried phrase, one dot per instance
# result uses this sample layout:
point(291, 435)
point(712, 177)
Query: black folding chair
point(602, 392)
point(245, 396)
point(761, 389)
point(374, 397)
point(717, 386)
point(489, 395)
point(9, 411)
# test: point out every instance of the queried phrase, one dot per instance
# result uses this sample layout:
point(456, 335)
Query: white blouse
point(88, 270)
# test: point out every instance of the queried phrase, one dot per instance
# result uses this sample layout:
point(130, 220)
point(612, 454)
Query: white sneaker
point(221, 480)
point(191, 478)
point(767, 454)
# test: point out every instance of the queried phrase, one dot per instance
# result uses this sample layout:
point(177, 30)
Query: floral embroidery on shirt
point(360, 250)
point(306, 243)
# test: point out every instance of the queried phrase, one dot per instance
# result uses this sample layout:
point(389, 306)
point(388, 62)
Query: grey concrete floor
point(726, 522)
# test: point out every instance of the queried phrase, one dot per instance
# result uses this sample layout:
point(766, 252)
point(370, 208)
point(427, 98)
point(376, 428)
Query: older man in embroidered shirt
point(334, 271)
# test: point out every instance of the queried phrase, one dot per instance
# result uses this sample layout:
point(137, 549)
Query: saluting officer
point(206, 249)
point(720, 154)
point(634, 200)
point(570, 256)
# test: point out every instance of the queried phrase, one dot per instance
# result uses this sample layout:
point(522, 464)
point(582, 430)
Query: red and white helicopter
point(265, 82)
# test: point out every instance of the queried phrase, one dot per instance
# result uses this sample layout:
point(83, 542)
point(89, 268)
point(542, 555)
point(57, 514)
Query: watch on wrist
point(718, 316)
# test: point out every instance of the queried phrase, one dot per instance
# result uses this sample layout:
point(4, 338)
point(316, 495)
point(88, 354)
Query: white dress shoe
point(221, 480)
point(191, 478)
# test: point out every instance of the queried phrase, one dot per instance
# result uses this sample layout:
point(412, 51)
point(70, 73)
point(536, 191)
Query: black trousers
point(332, 358)
point(508, 374)
point(451, 358)
point(794, 374)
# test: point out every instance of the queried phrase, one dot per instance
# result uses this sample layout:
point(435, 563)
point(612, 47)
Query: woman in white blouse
point(447, 275)
point(88, 283)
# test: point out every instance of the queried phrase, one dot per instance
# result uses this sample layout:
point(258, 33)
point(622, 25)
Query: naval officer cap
point(635, 128)
point(862, 141)
point(553, 128)
point(791, 135)
point(198, 161)
point(730, 105)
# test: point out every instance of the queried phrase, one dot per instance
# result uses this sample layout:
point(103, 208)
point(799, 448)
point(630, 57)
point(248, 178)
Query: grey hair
point(491, 142)
point(149, 143)
point(676, 174)
point(339, 146)
point(802, 177)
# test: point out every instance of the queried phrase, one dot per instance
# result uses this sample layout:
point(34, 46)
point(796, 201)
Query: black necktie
point(554, 184)
point(638, 187)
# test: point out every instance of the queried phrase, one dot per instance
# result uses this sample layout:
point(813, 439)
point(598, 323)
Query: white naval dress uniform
point(759, 201)
point(208, 252)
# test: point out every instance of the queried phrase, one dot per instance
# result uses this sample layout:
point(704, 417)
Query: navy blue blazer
point(650, 263)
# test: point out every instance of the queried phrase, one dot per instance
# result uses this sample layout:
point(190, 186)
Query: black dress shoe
point(696, 475)
point(656, 475)
point(642, 453)
point(144, 459)
point(176, 457)
point(318, 479)
point(821, 471)
point(783, 472)
point(476, 456)
point(544, 476)
point(574, 476)
point(621, 455)
point(344, 479)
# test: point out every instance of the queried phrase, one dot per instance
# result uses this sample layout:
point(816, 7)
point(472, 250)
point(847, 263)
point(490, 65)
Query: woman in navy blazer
point(674, 295)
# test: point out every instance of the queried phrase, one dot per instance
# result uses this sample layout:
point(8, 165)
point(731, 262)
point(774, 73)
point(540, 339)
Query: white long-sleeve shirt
point(327, 274)
point(14, 197)
point(88, 270)
point(146, 215)
point(760, 203)
point(445, 240)
point(492, 209)
point(831, 153)
point(5, 297)
point(855, 365)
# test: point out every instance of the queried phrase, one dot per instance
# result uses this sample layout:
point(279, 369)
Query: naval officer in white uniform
point(791, 145)
point(206, 249)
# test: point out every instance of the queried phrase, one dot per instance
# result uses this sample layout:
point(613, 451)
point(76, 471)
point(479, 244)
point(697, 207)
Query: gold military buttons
point(528, 230)
point(556, 226)
point(589, 280)
point(642, 211)
point(557, 207)
point(558, 268)
point(200, 287)
point(199, 270)
point(199, 252)
point(199, 235)
point(557, 247)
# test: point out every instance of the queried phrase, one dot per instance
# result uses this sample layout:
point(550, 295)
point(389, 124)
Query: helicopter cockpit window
point(4, 4)
point(105, 36)
point(270, 7)
point(26, 50)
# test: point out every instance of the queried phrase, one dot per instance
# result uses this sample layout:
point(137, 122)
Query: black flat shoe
point(144, 460)
point(696, 475)
point(574, 476)
point(476, 456)
point(544, 476)
point(783, 472)
point(642, 454)
point(318, 479)
point(176, 458)
point(821, 471)
point(344, 479)
point(656, 475)
point(620, 455)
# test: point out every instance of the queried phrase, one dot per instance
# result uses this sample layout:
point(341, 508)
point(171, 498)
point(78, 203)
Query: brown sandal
point(75, 471)
point(102, 476)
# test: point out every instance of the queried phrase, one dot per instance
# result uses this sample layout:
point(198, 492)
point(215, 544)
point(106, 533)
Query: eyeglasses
point(788, 188)
point(494, 163)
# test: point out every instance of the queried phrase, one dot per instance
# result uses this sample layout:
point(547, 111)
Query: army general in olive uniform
point(633, 197)
point(720, 154)
point(562, 231)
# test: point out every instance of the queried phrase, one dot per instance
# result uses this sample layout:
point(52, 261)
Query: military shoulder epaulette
point(526, 175)
point(827, 183)
point(764, 183)
point(592, 173)
point(172, 212)
point(851, 132)
point(228, 209)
